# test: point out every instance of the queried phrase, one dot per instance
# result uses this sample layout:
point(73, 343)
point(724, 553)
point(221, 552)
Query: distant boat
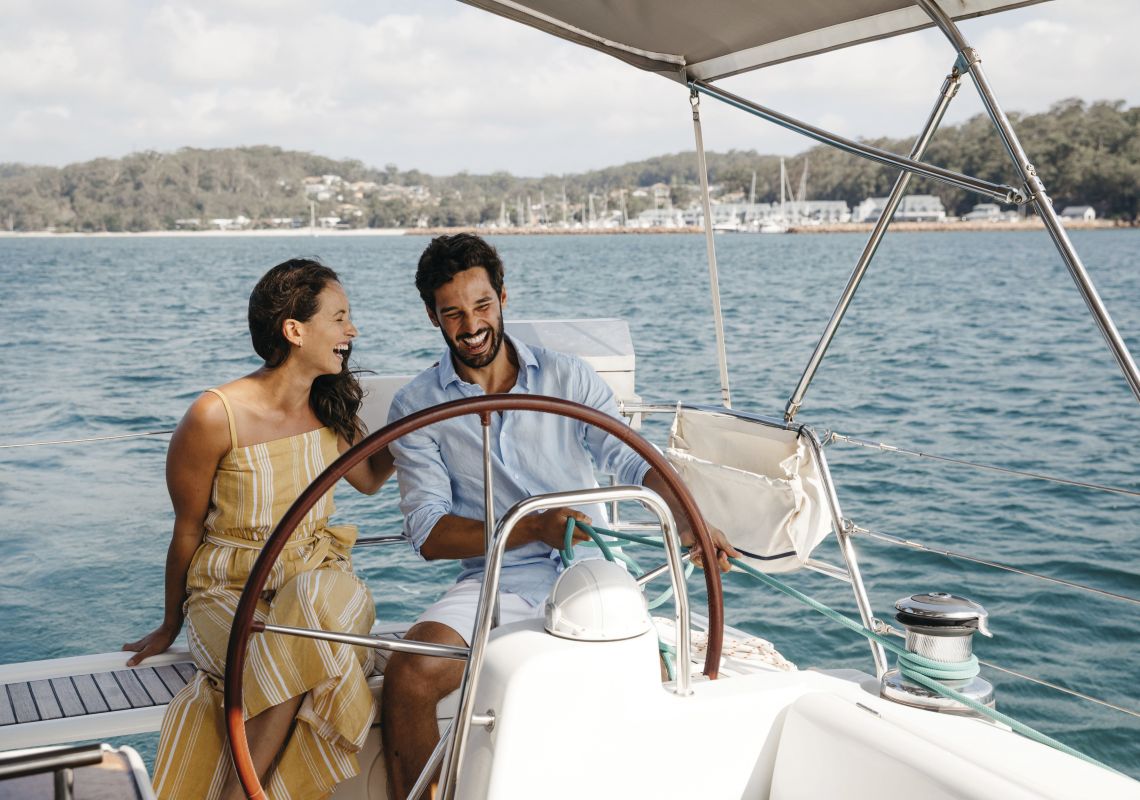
point(778, 224)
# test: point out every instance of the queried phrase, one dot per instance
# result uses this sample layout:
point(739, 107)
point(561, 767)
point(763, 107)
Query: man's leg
point(413, 687)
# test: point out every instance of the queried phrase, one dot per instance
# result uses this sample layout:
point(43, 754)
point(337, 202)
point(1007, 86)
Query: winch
point(940, 627)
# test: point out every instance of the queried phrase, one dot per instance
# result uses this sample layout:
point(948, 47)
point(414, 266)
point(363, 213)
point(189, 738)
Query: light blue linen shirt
point(440, 467)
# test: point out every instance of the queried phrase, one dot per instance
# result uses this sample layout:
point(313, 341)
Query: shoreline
point(839, 227)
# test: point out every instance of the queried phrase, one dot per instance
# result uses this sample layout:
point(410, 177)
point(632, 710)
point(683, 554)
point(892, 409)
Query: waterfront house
point(1079, 213)
point(913, 208)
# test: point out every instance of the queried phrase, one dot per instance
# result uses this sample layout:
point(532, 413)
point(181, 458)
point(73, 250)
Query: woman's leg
point(266, 734)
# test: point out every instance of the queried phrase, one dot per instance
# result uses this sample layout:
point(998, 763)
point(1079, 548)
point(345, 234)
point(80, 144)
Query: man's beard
point(477, 362)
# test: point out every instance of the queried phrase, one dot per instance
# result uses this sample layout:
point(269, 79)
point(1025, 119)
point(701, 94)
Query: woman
point(237, 461)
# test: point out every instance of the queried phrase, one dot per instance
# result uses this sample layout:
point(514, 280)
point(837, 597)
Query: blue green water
point(971, 345)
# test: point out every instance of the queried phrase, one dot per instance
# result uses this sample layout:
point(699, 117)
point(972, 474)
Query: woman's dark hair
point(290, 291)
point(447, 256)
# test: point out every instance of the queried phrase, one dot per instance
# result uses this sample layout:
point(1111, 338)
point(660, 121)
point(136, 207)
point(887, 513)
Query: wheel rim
point(244, 624)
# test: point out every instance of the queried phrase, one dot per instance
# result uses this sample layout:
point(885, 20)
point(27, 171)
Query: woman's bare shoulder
point(206, 423)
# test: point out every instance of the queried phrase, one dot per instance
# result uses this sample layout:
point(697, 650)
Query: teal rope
point(669, 657)
point(907, 662)
point(567, 552)
point(920, 669)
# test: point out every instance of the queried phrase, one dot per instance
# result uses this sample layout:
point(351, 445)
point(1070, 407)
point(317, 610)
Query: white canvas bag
point(758, 484)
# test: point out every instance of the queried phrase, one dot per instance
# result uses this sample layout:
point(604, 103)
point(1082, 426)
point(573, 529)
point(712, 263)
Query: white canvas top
point(604, 344)
point(713, 39)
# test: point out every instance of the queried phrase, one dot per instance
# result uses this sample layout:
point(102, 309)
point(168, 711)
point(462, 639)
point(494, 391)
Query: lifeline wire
point(906, 665)
point(896, 540)
point(90, 439)
point(887, 448)
point(912, 665)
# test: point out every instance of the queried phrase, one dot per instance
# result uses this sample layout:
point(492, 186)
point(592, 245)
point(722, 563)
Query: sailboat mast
point(783, 182)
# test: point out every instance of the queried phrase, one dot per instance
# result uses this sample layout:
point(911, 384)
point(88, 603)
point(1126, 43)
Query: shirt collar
point(527, 358)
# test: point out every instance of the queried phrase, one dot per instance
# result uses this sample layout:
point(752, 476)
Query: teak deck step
point(92, 693)
point(98, 696)
point(87, 697)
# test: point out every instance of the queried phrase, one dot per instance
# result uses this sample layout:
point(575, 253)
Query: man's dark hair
point(447, 256)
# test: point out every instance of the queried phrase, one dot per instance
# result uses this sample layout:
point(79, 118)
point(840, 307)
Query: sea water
point(974, 346)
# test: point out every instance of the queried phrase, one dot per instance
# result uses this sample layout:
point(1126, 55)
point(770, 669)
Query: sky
point(440, 87)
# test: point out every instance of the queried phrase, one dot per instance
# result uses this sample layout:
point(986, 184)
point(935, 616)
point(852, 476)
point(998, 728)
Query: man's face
point(470, 315)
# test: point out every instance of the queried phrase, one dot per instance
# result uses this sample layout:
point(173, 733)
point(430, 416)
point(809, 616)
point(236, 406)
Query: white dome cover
point(596, 601)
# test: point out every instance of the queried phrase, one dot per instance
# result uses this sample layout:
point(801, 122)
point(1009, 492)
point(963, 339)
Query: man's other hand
point(549, 527)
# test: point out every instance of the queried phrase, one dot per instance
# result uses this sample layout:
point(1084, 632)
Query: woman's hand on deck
point(155, 642)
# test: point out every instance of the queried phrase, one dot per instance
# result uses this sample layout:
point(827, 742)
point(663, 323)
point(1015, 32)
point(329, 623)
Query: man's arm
point(724, 548)
point(426, 502)
point(613, 456)
point(459, 537)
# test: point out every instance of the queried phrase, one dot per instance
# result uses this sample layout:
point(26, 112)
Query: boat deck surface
point(92, 693)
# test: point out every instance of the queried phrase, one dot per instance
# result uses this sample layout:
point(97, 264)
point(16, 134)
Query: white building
point(989, 212)
point(658, 218)
point(1080, 213)
point(913, 208)
point(869, 209)
point(815, 211)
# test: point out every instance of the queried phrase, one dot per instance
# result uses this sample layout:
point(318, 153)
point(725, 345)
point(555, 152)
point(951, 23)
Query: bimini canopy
point(710, 39)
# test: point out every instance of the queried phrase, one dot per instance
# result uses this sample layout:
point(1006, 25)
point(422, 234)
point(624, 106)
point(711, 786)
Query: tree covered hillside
point(1085, 153)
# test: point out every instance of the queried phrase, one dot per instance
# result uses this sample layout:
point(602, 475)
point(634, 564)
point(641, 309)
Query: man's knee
point(425, 676)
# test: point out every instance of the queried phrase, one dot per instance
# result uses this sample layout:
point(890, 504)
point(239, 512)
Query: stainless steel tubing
point(1003, 194)
point(660, 570)
point(949, 89)
point(842, 535)
point(395, 645)
point(488, 503)
point(428, 772)
point(1040, 199)
point(49, 759)
point(710, 249)
point(449, 776)
point(369, 541)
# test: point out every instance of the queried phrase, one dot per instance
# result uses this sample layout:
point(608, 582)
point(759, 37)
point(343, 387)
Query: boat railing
point(486, 618)
point(849, 530)
point(827, 439)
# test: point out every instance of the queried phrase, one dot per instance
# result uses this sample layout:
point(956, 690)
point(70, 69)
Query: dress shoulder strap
point(229, 416)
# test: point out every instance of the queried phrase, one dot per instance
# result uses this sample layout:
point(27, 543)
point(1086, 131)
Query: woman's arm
point(198, 444)
point(369, 475)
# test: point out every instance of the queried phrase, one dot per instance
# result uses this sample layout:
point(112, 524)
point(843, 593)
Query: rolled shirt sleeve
point(611, 455)
point(425, 487)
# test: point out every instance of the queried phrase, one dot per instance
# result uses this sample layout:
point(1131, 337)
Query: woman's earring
point(300, 343)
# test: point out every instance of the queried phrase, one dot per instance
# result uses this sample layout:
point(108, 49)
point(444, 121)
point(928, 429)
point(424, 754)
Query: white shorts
point(456, 609)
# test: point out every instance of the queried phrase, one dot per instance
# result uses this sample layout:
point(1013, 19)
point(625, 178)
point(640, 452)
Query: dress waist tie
point(321, 544)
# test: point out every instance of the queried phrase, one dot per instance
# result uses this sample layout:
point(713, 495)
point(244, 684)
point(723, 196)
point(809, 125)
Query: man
point(460, 279)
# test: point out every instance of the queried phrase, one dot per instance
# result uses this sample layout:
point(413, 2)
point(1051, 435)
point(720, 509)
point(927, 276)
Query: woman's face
point(326, 338)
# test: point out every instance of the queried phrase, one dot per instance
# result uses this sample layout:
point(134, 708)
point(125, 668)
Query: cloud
point(442, 87)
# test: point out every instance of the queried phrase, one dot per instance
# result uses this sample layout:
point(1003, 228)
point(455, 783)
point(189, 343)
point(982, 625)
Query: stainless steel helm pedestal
point(939, 626)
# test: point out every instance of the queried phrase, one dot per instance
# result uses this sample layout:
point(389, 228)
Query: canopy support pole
point(1035, 188)
point(996, 191)
point(950, 88)
point(710, 248)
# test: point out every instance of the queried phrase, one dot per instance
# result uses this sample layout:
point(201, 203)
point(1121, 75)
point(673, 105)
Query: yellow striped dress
point(312, 585)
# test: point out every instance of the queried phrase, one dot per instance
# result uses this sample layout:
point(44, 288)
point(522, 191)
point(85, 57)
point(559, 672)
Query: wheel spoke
point(394, 645)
